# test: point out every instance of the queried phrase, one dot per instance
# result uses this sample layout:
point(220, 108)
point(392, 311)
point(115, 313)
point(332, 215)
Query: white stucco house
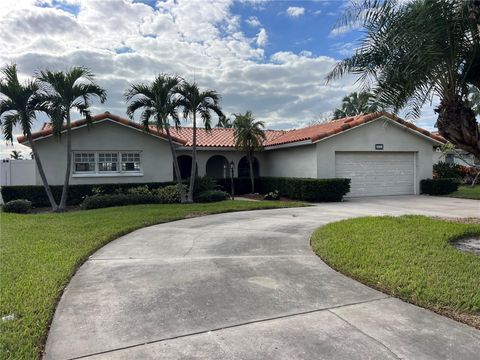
point(381, 153)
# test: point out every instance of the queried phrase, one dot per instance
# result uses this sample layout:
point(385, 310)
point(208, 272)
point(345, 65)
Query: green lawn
point(39, 253)
point(467, 192)
point(409, 257)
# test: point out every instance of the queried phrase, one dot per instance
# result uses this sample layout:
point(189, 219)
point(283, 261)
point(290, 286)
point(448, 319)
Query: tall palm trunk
point(250, 164)
point(194, 160)
point(63, 200)
point(456, 123)
point(176, 168)
point(36, 157)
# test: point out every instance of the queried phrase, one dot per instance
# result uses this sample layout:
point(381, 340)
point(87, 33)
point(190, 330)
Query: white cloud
point(295, 11)
point(317, 12)
point(253, 21)
point(183, 37)
point(262, 38)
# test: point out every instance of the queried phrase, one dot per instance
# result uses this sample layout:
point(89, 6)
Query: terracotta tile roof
point(219, 137)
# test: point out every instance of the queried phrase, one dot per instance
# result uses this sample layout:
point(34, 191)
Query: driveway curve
point(247, 286)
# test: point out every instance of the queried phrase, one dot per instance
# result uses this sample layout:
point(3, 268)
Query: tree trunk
point(457, 123)
point(63, 200)
point(51, 199)
point(176, 168)
point(194, 161)
point(250, 164)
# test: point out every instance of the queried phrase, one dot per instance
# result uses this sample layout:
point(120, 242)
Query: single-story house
point(381, 153)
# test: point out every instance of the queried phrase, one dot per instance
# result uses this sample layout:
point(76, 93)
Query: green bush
point(19, 206)
point(76, 193)
point(211, 196)
point(443, 170)
point(438, 186)
point(103, 201)
point(204, 184)
point(139, 190)
point(170, 194)
point(307, 189)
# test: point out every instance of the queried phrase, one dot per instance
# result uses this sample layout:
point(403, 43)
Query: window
point(130, 162)
point(107, 162)
point(84, 162)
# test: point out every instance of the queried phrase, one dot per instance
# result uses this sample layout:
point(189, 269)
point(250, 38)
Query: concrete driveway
point(247, 286)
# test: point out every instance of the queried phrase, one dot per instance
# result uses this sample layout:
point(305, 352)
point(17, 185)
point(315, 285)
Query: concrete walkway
point(247, 286)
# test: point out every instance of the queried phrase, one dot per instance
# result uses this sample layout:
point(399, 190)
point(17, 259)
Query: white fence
point(17, 172)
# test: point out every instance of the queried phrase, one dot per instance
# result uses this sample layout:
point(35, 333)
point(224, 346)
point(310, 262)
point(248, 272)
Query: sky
point(270, 57)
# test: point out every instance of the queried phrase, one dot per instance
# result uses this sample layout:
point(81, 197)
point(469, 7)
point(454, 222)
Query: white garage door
point(377, 173)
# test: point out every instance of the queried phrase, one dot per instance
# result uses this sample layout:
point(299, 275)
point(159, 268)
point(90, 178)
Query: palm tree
point(224, 122)
point(158, 100)
point(16, 155)
point(249, 138)
point(17, 108)
point(356, 104)
point(414, 51)
point(199, 102)
point(62, 92)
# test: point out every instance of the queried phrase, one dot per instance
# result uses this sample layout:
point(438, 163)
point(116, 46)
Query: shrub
point(170, 194)
point(273, 195)
point(443, 170)
point(211, 196)
point(307, 189)
point(103, 201)
point(438, 186)
point(139, 190)
point(76, 193)
point(204, 184)
point(19, 206)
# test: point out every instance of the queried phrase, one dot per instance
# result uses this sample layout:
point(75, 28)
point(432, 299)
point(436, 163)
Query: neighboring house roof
point(221, 137)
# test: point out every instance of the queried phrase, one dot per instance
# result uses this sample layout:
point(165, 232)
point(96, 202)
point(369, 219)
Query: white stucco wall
point(298, 161)
point(17, 172)
point(107, 136)
point(363, 138)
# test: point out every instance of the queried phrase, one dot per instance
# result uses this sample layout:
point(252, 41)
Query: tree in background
point(249, 137)
point(63, 92)
point(16, 155)
point(413, 51)
point(474, 98)
point(196, 102)
point(224, 122)
point(18, 105)
point(356, 104)
point(159, 102)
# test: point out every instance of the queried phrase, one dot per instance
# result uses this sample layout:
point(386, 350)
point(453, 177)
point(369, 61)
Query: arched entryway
point(217, 167)
point(244, 167)
point(185, 165)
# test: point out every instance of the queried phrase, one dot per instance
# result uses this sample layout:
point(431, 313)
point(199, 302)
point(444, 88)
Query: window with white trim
point(84, 162)
point(107, 163)
point(131, 162)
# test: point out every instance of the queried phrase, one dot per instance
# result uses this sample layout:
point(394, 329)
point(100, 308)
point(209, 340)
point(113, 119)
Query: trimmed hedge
point(438, 186)
point(307, 189)
point(103, 201)
point(295, 188)
point(76, 193)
